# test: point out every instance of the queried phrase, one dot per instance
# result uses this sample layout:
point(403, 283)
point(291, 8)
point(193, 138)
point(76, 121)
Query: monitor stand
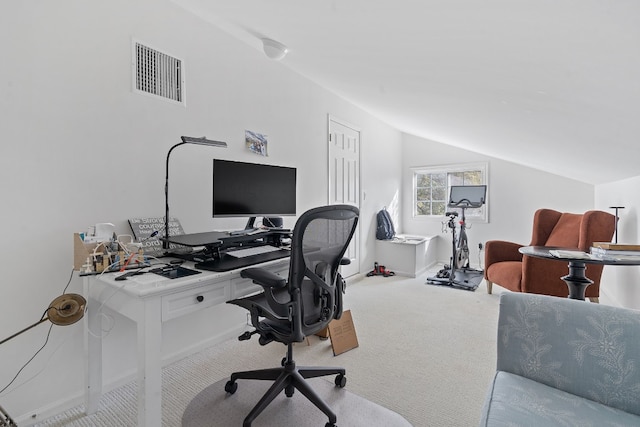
point(249, 228)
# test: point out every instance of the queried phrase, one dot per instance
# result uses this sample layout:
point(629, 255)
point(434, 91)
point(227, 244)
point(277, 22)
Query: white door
point(344, 179)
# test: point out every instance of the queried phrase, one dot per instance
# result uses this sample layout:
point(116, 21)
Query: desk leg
point(149, 365)
point(576, 280)
point(93, 353)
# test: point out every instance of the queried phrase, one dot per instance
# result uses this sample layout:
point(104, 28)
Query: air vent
point(157, 73)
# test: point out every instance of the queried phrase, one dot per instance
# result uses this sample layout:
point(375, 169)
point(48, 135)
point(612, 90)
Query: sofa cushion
point(513, 400)
point(589, 350)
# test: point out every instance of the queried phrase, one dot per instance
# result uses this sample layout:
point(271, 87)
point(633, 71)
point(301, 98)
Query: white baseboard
point(126, 377)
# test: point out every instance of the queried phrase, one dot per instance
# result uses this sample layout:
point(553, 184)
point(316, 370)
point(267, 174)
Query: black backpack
point(385, 230)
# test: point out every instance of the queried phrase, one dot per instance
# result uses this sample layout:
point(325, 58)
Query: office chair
point(289, 310)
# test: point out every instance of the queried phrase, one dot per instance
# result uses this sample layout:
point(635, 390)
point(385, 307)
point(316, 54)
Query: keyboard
point(257, 250)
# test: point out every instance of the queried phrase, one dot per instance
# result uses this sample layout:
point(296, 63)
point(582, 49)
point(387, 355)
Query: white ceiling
point(553, 84)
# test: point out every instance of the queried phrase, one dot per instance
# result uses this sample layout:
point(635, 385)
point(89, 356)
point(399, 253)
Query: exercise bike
point(459, 273)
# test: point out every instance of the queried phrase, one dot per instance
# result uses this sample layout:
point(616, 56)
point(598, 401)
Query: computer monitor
point(250, 189)
point(467, 196)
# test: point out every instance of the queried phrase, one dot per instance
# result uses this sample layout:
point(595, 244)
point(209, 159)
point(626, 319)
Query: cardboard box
point(343, 334)
point(323, 334)
point(81, 251)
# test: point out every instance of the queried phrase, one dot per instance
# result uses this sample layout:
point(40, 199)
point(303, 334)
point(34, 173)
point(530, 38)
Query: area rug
point(213, 407)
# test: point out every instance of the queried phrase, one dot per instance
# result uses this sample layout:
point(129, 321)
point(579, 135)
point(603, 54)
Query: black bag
point(385, 230)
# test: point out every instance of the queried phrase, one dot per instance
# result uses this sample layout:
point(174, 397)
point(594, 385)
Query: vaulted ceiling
point(551, 84)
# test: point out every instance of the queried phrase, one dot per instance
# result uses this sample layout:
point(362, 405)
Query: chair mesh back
point(317, 254)
point(325, 241)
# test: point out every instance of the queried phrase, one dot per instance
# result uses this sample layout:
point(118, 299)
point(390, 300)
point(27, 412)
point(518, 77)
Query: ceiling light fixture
point(273, 49)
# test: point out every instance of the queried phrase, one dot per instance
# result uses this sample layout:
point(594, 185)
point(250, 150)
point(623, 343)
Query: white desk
point(150, 300)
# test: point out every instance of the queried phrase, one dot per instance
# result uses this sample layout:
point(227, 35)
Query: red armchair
point(507, 267)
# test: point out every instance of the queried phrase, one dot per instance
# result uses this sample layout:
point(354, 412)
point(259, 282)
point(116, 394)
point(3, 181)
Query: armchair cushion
point(509, 272)
point(564, 234)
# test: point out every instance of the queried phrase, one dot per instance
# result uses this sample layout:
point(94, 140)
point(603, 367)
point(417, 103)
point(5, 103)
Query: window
point(431, 186)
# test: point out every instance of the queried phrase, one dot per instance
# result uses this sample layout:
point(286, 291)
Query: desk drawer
point(192, 300)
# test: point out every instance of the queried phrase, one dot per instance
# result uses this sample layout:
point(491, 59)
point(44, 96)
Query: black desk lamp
point(185, 140)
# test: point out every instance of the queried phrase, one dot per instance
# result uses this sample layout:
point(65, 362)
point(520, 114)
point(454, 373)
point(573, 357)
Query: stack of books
point(621, 251)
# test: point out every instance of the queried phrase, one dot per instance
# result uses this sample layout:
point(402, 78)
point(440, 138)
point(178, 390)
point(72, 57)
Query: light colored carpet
point(426, 352)
point(213, 407)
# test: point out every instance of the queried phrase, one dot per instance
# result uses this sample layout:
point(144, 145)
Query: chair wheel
point(231, 387)
point(289, 390)
point(330, 425)
point(341, 380)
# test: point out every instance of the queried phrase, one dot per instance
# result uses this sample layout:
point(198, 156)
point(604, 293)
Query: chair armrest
point(586, 349)
point(264, 278)
point(499, 250)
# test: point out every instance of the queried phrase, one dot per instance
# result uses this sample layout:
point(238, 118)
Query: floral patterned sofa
point(564, 362)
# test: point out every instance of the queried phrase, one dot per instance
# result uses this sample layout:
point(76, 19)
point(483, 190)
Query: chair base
point(288, 378)
point(461, 278)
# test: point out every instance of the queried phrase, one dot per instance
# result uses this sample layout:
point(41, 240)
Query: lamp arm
point(44, 319)
point(185, 140)
point(165, 243)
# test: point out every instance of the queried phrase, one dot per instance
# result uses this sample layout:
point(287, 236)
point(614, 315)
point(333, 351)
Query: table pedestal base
point(576, 280)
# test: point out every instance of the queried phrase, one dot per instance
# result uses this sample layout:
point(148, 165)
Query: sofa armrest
point(590, 350)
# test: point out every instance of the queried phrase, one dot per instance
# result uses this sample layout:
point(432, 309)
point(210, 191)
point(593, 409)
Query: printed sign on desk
point(343, 334)
point(143, 228)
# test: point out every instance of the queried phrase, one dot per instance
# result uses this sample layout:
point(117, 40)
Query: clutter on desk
point(174, 271)
point(99, 249)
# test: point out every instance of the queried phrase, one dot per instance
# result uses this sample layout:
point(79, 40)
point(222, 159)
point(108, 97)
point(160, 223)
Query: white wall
point(515, 193)
point(79, 147)
point(621, 285)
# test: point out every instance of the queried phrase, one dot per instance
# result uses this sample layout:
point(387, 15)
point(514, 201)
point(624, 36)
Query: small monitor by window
point(467, 196)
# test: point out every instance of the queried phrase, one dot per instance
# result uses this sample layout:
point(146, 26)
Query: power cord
point(106, 331)
point(43, 345)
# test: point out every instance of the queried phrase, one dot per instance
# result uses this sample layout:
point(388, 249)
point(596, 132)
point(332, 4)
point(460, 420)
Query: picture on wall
point(256, 142)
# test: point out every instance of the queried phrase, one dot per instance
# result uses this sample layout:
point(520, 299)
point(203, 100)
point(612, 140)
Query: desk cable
point(40, 349)
point(107, 330)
